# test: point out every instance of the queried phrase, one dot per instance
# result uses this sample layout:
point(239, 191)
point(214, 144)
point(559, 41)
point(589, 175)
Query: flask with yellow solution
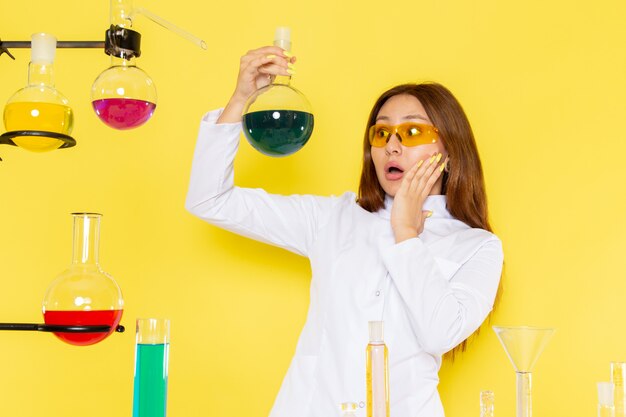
point(37, 117)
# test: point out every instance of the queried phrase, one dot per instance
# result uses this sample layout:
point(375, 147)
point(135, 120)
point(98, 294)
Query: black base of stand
point(59, 328)
point(7, 138)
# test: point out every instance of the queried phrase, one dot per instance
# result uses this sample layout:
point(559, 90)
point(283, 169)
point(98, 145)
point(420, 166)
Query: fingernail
point(442, 167)
point(270, 56)
point(419, 164)
point(439, 157)
point(290, 71)
point(430, 213)
point(433, 159)
point(287, 54)
point(291, 66)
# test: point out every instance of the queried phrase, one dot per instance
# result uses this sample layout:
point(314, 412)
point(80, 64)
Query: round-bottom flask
point(278, 119)
point(123, 96)
point(84, 294)
point(39, 111)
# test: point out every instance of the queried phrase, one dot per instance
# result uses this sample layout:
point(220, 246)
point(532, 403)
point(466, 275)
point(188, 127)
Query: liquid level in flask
point(150, 384)
point(83, 318)
point(123, 113)
point(41, 116)
point(278, 132)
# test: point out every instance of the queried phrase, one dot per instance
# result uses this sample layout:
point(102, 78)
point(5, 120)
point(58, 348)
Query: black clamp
point(122, 43)
point(4, 50)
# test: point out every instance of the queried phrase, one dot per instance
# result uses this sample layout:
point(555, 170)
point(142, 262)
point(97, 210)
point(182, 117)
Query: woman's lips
point(393, 171)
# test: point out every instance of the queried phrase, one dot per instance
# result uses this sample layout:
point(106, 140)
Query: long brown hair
point(463, 183)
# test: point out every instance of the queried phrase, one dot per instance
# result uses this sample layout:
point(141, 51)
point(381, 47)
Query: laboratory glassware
point(123, 96)
point(278, 119)
point(486, 404)
point(606, 407)
point(377, 372)
point(348, 409)
point(523, 345)
point(83, 294)
point(618, 375)
point(152, 348)
point(38, 117)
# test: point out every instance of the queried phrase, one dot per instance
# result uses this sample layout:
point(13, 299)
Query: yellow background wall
point(543, 83)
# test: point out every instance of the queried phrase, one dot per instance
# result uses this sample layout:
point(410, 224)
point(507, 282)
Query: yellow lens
point(378, 135)
point(415, 134)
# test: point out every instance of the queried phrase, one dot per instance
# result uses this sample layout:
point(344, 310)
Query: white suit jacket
point(432, 292)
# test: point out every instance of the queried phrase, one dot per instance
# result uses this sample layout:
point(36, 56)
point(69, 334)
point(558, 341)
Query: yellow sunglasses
point(410, 134)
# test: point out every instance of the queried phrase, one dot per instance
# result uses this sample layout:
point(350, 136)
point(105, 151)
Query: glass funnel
point(523, 345)
point(84, 294)
point(38, 117)
point(278, 119)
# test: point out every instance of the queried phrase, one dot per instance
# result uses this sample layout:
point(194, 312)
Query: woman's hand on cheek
point(407, 216)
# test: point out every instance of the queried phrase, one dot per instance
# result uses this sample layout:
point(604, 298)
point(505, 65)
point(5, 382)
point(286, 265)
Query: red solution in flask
point(123, 113)
point(84, 318)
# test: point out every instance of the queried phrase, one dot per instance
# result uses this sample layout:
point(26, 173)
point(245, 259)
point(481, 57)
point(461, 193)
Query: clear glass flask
point(278, 119)
point(123, 96)
point(377, 372)
point(39, 111)
point(152, 349)
point(618, 376)
point(523, 345)
point(605, 399)
point(84, 294)
point(486, 403)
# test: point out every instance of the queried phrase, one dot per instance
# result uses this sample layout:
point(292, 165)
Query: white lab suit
point(432, 292)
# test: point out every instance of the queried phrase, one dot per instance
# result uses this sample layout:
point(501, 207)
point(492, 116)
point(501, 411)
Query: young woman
point(413, 248)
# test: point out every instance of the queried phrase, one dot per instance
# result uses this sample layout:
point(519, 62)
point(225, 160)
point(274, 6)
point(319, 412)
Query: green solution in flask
point(278, 132)
point(278, 120)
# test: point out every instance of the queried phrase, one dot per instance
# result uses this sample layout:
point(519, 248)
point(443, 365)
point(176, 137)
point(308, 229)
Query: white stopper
point(282, 38)
point(43, 48)
point(605, 393)
point(376, 331)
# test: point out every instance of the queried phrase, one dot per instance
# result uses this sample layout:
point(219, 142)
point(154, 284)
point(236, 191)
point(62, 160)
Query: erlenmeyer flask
point(38, 117)
point(278, 119)
point(84, 294)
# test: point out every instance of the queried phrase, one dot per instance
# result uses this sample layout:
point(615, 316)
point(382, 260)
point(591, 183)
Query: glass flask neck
point(86, 238)
point(123, 61)
point(282, 80)
point(121, 11)
point(41, 73)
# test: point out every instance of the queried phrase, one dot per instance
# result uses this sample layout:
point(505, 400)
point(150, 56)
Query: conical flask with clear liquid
point(278, 119)
point(523, 345)
point(38, 117)
point(84, 294)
